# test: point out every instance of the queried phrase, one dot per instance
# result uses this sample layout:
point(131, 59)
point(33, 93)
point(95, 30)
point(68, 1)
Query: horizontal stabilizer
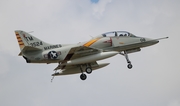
point(29, 49)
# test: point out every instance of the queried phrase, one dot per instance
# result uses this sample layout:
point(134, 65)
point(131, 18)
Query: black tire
point(129, 66)
point(88, 70)
point(83, 76)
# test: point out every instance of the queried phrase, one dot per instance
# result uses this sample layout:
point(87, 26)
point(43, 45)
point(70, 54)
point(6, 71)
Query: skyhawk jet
point(81, 57)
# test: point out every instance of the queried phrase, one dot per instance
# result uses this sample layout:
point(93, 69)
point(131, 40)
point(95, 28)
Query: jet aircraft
point(81, 57)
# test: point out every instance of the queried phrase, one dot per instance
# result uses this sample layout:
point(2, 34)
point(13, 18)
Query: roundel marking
point(52, 54)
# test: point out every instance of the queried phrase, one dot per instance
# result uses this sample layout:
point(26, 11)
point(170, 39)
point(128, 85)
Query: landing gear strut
point(88, 69)
point(128, 61)
point(82, 76)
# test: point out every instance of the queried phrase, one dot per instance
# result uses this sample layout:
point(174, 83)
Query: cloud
point(174, 103)
point(99, 8)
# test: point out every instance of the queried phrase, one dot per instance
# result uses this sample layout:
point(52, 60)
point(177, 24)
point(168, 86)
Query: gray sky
point(153, 81)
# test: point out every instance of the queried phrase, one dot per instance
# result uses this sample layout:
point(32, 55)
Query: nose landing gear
point(129, 66)
point(127, 59)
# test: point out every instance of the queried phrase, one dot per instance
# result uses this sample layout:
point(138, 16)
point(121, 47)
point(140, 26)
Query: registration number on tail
point(34, 44)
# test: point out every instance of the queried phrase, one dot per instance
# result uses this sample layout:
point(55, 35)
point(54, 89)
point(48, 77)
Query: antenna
point(31, 32)
point(91, 36)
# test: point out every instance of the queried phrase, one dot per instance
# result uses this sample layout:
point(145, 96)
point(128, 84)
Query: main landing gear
point(83, 76)
point(88, 71)
point(127, 59)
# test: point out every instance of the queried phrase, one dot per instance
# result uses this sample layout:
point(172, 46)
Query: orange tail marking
point(19, 39)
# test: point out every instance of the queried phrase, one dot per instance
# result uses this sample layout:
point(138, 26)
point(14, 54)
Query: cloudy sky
point(153, 81)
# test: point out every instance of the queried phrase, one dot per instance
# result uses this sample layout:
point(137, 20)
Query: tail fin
point(25, 39)
point(29, 42)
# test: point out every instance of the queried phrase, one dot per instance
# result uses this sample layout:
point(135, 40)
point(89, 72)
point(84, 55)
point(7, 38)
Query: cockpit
point(117, 34)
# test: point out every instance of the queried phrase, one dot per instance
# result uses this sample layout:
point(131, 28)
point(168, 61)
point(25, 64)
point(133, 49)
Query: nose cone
point(149, 42)
point(154, 41)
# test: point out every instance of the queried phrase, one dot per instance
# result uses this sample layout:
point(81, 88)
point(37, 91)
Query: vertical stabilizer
point(25, 39)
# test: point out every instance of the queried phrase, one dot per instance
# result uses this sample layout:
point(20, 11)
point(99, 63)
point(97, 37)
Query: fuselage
point(112, 41)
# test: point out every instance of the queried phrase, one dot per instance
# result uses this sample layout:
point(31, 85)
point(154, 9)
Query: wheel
point(88, 70)
point(83, 76)
point(129, 66)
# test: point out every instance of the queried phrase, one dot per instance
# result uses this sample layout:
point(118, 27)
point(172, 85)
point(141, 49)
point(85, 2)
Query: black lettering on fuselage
point(52, 47)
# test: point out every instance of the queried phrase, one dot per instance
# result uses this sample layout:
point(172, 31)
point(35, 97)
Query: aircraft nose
point(150, 42)
point(154, 41)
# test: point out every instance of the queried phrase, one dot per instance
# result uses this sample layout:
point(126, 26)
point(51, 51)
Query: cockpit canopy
point(117, 33)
